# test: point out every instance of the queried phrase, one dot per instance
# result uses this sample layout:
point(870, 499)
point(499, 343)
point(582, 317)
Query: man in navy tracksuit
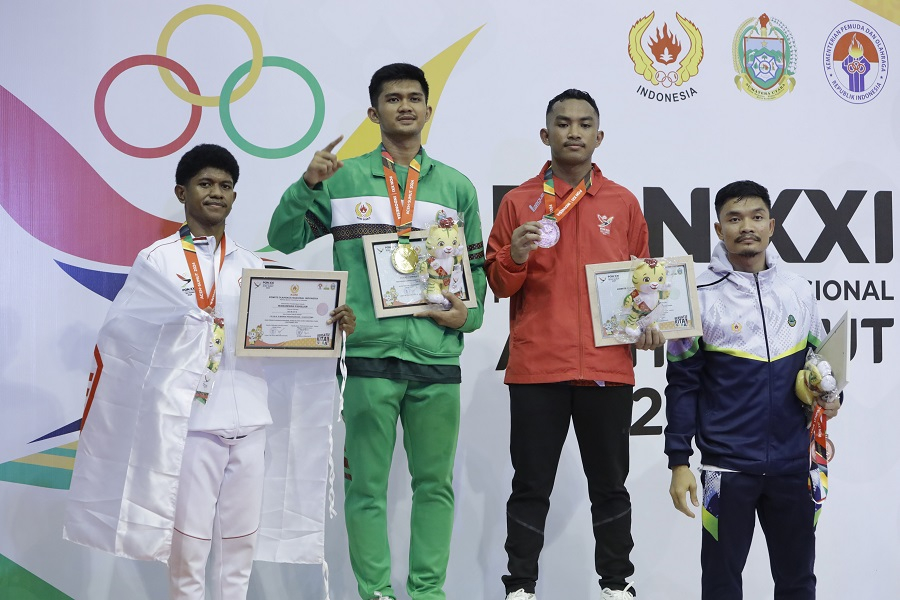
point(732, 390)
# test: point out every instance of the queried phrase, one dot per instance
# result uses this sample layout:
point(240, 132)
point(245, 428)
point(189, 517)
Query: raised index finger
point(332, 145)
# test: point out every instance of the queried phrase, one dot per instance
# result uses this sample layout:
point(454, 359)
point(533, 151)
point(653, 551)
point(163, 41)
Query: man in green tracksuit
point(407, 366)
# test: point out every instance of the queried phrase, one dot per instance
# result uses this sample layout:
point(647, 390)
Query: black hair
point(395, 72)
point(738, 190)
point(205, 155)
point(573, 94)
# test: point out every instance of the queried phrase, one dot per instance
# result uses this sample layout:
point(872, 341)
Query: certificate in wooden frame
point(394, 293)
point(609, 284)
point(283, 313)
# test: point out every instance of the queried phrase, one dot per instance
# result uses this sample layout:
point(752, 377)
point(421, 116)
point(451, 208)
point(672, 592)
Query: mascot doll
point(814, 380)
point(443, 263)
point(648, 276)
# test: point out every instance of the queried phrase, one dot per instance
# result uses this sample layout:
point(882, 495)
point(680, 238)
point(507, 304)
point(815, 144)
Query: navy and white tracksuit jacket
point(732, 389)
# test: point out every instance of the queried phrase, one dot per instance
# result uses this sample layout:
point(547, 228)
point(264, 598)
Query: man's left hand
point(831, 408)
point(454, 318)
point(650, 339)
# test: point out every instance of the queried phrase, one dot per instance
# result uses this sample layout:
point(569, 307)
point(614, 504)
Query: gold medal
point(405, 258)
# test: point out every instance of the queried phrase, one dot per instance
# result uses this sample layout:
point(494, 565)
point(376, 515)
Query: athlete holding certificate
point(405, 367)
point(174, 444)
point(546, 231)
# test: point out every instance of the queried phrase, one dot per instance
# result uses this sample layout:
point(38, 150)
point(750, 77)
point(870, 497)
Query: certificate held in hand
point(285, 313)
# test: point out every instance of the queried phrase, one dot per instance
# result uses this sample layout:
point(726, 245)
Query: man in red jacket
point(546, 231)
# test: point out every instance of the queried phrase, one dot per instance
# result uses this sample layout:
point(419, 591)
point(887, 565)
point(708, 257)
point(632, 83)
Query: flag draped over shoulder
point(298, 449)
point(153, 349)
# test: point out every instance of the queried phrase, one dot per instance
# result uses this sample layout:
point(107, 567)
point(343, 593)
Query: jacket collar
point(722, 267)
point(377, 168)
point(562, 188)
point(230, 246)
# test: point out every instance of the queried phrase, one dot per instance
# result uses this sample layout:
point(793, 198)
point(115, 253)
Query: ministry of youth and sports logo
point(656, 58)
point(765, 58)
point(856, 62)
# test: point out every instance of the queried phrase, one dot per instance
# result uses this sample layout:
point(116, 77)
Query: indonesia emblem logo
point(765, 58)
point(605, 224)
point(659, 66)
point(856, 62)
point(364, 211)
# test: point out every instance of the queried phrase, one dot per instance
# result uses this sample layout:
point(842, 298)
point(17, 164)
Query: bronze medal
point(829, 450)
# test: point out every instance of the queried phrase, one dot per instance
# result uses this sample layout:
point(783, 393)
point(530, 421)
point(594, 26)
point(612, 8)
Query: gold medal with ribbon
point(404, 257)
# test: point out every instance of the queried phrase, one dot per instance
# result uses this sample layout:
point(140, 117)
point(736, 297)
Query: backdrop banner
point(98, 101)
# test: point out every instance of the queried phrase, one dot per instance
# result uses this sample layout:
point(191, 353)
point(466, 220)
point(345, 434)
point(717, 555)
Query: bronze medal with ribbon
point(206, 302)
point(821, 451)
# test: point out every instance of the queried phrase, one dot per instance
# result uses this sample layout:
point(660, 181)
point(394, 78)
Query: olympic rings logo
point(231, 92)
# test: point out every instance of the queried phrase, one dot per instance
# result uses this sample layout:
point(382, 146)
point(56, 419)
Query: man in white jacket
point(201, 451)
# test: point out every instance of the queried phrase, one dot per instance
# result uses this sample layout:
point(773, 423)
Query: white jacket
point(237, 404)
point(151, 352)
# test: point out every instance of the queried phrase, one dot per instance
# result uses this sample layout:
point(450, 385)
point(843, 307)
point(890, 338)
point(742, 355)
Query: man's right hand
point(524, 239)
point(683, 481)
point(323, 164)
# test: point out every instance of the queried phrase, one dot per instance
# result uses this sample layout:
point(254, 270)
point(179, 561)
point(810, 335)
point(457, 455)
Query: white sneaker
point(609, 594)
point(520, 595)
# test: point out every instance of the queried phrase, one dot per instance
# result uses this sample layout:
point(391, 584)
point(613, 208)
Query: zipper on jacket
point(578, 300)
point(762, 314)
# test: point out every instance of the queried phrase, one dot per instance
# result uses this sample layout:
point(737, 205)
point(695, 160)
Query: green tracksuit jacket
point(353, 203)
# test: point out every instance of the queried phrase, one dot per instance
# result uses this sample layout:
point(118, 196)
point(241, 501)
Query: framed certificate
point(676, 316)
point(284, 312)
point(395, 293)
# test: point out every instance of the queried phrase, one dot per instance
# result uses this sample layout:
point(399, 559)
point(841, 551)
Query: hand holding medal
point(546, 233)
point(524, 239)
point(816, 387)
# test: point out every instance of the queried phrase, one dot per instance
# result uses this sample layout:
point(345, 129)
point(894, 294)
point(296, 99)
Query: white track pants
point(220, 488)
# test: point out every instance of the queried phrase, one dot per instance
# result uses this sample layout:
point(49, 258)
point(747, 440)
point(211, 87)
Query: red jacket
point(551, 335)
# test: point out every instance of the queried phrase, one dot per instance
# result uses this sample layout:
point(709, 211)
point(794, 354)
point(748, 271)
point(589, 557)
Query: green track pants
point(429, 413)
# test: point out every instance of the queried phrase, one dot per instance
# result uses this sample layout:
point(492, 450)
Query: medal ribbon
point(402, 212)
point(818, 454)
point(204, 301)
point(570, 201)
